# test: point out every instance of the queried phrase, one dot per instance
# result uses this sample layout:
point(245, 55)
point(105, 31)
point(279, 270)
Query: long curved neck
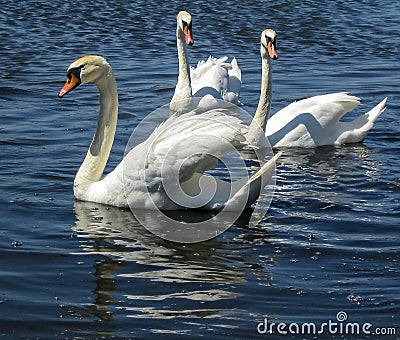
point(264, 104)
point(97, 156)
point(183, 90)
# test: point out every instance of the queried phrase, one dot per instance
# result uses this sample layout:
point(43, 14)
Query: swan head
point(87, 69)
point(184, 21)
point(268, 44)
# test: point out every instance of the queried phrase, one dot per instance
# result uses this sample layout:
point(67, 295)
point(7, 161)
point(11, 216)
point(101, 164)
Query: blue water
point(330, 240)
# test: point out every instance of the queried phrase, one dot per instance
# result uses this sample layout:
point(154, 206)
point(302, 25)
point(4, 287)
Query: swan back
point(217, 77)
point(317, 121)
point(177, 151)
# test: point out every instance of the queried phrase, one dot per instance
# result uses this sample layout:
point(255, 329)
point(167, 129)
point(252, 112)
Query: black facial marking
point(269, 39)
point(76, 71)
point(188, 25)
point(264, 46)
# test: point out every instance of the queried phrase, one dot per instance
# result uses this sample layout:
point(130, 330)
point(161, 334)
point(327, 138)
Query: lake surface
point(330, 240)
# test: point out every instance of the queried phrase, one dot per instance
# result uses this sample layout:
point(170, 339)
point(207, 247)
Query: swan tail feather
point(235, 71)
point(266, 168)
point(235, 81)
point(358, 129)
point(247, 192)
point(367, 120)
point(222, 62)
point(375, 112)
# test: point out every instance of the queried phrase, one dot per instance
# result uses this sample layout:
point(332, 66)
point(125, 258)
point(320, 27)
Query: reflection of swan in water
point(120, 229)
point(210, 266)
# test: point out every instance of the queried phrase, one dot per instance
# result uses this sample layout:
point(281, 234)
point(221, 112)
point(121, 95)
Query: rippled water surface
point(330, 240)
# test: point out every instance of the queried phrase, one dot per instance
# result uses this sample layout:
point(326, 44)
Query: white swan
point(141, 177)
point(309, 122)
point(213, 77)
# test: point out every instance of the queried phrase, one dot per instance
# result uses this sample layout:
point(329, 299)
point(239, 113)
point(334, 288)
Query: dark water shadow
point(130, 253)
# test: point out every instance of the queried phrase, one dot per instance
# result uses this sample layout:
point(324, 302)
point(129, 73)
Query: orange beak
point(188, 36)
point(70, 84)
point(272, 50)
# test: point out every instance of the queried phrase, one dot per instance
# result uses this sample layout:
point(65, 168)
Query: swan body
point(178, 149)
point(309, 122)
point(214, 77)
point(217, 77)
point(316, 121)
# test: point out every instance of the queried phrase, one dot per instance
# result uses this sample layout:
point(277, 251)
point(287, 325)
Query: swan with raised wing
point(213, 77)
point(140, 179)
point(309, 122)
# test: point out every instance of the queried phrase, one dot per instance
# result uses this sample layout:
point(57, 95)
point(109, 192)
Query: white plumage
point(309, 122)
point(217, 77)
point(316, 121)
point(166, 170)
point(213, 77)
